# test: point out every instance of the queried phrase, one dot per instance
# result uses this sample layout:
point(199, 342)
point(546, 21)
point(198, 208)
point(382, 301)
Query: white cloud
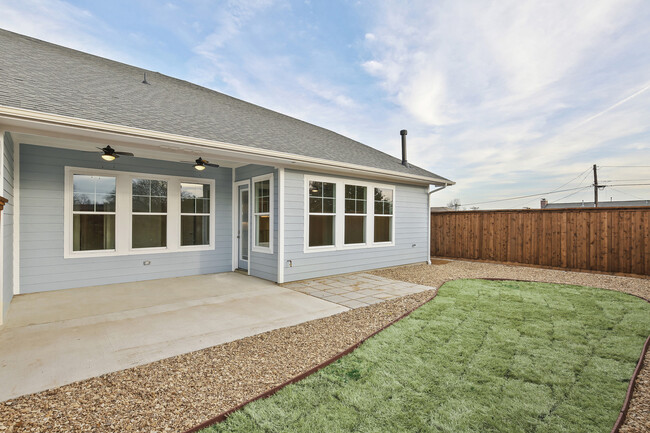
point(61, 23)
point(516, 95)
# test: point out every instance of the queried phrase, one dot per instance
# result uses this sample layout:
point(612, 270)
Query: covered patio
point(58, 337)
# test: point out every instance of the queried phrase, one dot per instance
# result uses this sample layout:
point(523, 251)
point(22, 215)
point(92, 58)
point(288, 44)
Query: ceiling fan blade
point(209, 164)
point(124, 153)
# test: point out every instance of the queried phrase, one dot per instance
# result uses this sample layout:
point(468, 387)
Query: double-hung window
point(93, 213)
point(149, 213)
point(362, 217)
point(112, 213)
point(355, 214)
point(195, 214)
point(322, 213)
point(263, 214)
point(383, 215)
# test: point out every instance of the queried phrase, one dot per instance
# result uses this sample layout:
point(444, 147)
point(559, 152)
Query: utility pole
point(595, 187)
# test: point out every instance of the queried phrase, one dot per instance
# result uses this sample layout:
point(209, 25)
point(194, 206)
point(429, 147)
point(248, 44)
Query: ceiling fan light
point(108, 157)
point(199, 167)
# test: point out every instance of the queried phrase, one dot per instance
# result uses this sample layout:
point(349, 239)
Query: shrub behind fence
point(597, 239)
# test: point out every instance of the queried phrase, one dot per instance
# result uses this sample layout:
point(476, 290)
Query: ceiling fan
point(110, 154)
point(201, 163)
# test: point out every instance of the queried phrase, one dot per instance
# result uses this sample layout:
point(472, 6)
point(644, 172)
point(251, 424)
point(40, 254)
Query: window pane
point(361, 206)
point(203, 205)
point(140, 204)
point(105, 202)
point(321, 230)
point(355, 229)
point(383, 228)
point(329, 189)
point(361, 192)
point(149, 231)
point(105, 184)
point(82, 183)
point(159, 204)
point(188, 205)
point(195, 198)
point(328, 205)
point(141, 186)
point(93, 232)
point(315, 205)
point(195, 230)
point(350, 191)
point(83, 202)
point(350, 206)
point(262, 224)
point(316, 189)
point(159, 188)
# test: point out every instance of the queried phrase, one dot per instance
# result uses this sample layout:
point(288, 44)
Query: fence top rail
point(568, 209)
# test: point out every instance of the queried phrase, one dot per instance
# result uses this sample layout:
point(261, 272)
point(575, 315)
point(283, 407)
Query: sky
point(506, 98)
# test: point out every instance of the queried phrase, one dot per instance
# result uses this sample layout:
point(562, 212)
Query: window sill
point(310, 250)
point(136, 252)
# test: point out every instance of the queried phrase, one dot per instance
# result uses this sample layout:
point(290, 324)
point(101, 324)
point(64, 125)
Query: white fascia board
point(71, 126)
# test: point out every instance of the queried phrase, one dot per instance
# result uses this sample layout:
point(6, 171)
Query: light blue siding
point(42, 266)
point(8, 223)
point(410, 219)
point(263, 265)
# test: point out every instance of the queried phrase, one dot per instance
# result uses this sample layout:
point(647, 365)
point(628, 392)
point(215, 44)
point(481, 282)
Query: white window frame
point(252, 190)
point(123, 213)
point(131, 213)
point(339, 219)
point(74, 212)
point(391, 216)
point(365, 215)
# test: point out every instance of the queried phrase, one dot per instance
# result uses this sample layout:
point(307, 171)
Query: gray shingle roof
point(40, 76)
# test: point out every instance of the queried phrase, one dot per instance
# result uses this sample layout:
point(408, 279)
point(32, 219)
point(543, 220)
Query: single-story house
point(115, 174)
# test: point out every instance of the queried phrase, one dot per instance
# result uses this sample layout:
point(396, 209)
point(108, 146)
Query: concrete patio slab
point(54, 338)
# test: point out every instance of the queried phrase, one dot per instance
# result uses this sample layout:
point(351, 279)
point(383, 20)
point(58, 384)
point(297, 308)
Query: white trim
point(280, 225)
point(339, 214)
point(123, 214)
point(253, 222)
point(234, 244)
point(235, 207)
point(16, 240)
point(20, 116)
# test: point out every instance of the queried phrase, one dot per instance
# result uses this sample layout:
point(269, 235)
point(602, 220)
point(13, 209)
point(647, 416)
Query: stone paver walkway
point(355, 290)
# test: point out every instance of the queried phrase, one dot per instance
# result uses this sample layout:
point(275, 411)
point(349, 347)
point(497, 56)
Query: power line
point(573, 193)
point(581, 174)
point(623, 180)
point(584, 175)
point(630, 184)
point(624, 166)
point(627, 193)
point(524, 196)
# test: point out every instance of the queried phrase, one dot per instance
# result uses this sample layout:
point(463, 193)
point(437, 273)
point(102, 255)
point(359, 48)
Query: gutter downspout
point(429, 221)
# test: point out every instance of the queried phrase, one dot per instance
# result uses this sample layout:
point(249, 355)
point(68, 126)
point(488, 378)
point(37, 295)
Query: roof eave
point(18, 116)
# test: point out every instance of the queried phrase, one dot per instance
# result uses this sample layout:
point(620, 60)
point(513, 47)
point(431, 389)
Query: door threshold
point(242, 271)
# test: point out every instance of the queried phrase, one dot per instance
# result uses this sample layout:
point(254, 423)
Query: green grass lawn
point(483, 356)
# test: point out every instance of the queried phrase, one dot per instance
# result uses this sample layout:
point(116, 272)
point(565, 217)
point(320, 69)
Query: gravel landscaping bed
point(180, 392)
point(638, 416)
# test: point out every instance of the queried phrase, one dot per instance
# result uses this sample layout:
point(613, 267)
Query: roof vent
point(403, 133)
point(145, 79)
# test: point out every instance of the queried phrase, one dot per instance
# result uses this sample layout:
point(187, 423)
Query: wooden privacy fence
point(597, 239)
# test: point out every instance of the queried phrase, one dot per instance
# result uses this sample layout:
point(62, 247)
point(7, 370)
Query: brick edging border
point(630, 389)
point(223, 415)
